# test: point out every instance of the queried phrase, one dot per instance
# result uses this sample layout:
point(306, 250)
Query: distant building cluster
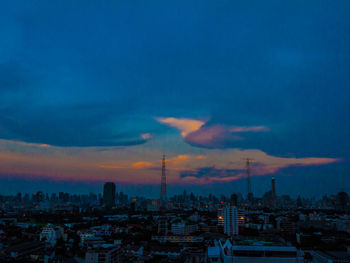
point(113, 227)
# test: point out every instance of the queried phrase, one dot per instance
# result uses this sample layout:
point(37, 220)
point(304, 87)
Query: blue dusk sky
point(95, 91)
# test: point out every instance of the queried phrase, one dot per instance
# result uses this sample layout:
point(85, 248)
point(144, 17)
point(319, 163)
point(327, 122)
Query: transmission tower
point(249, 184)
point(163, 196)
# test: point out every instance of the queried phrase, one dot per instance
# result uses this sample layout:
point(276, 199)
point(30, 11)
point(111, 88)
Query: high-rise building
point(109, 195)
point(234, 200)
point(19, 197)
point(231, 220)
point(342, 200)
point(38, 197)
point(273, 186)
point(60, 196)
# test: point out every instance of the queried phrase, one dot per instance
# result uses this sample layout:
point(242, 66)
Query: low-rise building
point(51, 234)
point(178, 239)
point(104, 254)
point(330, 256)
point(255, 253)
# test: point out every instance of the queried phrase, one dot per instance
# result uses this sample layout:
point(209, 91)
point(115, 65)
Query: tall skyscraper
point(109, 195)
point(273, 191)
point(273, 186)
point(231, 220)
point(234, 200)
point(163, 195)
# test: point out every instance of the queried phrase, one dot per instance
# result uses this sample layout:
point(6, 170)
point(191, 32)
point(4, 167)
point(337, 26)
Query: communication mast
point(163, 196)
point(249, 184)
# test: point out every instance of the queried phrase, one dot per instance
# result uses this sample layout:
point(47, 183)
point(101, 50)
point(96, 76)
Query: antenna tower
point(163, 196)
point(249, 184)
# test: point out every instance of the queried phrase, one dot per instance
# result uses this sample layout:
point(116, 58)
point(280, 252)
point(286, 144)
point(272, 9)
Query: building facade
point(231, 220)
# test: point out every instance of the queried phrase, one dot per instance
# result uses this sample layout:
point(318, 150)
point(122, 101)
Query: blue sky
point(85, 82)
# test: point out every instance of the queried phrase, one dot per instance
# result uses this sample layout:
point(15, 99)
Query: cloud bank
point(198, 133)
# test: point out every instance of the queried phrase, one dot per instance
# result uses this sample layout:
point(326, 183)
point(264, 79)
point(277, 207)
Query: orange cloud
point(88, 164)
point(186, 126)
point(146, 136)
point(112, 167)
point(39, 145)
point(142, 165)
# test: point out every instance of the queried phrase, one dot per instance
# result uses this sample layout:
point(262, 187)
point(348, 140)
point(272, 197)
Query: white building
point(254, 253)
point(231, 220)
point(178, 228)
point(213, 254)
point(51, 234)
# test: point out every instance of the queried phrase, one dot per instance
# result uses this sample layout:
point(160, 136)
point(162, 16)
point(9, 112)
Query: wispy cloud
point(27, 144)
point(186, 126)
point(129, 166)
point(248, 129)
point(198, 133)
point(229, 165)
point(146, 136)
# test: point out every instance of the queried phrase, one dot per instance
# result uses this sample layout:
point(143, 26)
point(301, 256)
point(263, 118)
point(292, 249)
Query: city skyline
point(90, 94)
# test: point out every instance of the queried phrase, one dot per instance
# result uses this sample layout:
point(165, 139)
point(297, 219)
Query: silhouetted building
point(61, 196)
point(38, 197)
point(342, 200)
point(109, 194)
point(234, 200)
point(273, 191)
point(133, 205)
point(273, 186)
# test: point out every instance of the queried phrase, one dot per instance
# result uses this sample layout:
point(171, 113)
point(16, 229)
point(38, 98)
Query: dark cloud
point(85, 74)
point(216, 136)
point(210, 172)
point(223, 136)
point(69, 127)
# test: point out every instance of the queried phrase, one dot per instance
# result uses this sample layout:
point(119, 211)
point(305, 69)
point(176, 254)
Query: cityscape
point(175, 131)
point(113, 227)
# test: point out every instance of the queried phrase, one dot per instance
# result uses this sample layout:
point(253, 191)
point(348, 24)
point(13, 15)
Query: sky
point(98, 91)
